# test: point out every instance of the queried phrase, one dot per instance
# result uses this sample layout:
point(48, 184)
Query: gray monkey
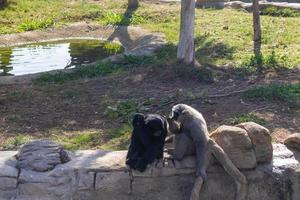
point(194, 138)
point(191, 136)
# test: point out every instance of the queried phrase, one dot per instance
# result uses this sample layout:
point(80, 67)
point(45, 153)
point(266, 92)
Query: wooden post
point(186, 51)
point(132, 4)
point(257, 30)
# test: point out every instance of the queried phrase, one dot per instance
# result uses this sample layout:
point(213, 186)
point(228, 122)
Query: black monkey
point(147, 140)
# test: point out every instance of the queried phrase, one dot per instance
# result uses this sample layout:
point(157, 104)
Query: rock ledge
point(94, 174)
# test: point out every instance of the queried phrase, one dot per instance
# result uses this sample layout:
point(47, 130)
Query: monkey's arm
point(151, 153)
point(135, 148)
point(201, 156)
point(201, 145)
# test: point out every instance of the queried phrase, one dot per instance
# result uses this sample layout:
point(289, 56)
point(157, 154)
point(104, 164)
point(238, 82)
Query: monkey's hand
point(159, 163)
point(202, 174)
point(171, 162)
point(140, 166)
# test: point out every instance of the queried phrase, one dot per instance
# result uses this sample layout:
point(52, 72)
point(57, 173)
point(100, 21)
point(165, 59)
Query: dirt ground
point(80, 105)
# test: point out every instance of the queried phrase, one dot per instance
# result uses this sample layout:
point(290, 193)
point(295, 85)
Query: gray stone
point(211, 3)
point(8, 194)
point(41, 156)
point(33, 189)
point(28, 176)
point(293, 141)
point(237, 144)
point(97, 160)
point(262, 5)
point(86, 180)
point(8, 158)
point(261, 140)
point(8, 171)
point(89, 176)
point(112, 182)
point(8, 183)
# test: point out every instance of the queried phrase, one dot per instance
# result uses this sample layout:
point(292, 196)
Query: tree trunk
point(185, 51)
point(2, 3)
point(132, 4)
point(257, 29)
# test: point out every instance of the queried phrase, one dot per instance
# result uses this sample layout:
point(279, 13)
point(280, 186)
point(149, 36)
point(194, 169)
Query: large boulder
point(41, 156)
point(237, 144)
point(261, 140)
point(293, 141)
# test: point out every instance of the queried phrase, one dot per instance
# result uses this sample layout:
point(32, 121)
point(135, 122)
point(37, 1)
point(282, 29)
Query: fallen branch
point(206, 97)
point(227, 94)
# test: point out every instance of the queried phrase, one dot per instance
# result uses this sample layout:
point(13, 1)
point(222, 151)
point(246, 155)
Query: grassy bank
point(223, 37)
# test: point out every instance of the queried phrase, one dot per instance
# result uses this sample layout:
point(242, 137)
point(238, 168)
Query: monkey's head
point(138, 119)
point(177, 112)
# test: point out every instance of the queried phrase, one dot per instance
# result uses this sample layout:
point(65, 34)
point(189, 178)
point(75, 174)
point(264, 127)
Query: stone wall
point(100, 175)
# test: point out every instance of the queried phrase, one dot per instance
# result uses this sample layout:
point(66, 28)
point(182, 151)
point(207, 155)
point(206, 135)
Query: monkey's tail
point(131, 179)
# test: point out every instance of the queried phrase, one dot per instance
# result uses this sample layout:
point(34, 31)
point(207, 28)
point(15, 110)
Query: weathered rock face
point(237, 144)
point(293, 141)
point(8, 175)
point(211, 3)
point(263, 5)
point(94, 175)
point(261, 140)
point(41, 156)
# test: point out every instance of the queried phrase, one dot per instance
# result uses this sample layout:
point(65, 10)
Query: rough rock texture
point(237, 144)
point(8, 175)
point(211, 3)
point(261, 140)
point(293, 141)
point(95, 174)
point(41, 156)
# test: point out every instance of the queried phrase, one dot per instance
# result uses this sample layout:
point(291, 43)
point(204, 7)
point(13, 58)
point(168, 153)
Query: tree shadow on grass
point(122, 28)
point(209, 51)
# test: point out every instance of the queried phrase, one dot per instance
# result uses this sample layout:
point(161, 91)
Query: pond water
point(46, 56)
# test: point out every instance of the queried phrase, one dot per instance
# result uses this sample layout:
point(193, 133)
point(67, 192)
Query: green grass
point(271, 61)
point(280, 12)
point(245, 117)
point(122, 110)
point(119, 139)
point(223, 37)
point(112, 48)
point(279, 93)
point(15, 142)
point(29, 25)
point(24, 15)
point(112, 139)
point(77, 140)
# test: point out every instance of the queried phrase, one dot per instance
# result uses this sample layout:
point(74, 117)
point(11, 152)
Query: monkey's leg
point(231, 169)
point(181, 144)
point(199, 180)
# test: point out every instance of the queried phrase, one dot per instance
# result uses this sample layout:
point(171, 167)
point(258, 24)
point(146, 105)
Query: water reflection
point(42, 57)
